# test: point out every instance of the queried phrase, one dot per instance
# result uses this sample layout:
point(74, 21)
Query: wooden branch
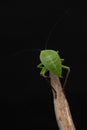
point(61, 107)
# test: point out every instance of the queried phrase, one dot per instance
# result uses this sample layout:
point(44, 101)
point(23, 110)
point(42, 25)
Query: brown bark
point(61, 107)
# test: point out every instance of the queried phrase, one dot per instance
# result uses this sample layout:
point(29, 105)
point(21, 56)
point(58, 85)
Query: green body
point(51, 61)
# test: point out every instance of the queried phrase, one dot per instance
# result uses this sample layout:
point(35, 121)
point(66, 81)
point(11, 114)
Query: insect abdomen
point(51, 60)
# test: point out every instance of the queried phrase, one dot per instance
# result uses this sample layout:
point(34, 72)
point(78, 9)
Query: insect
point(51, 61)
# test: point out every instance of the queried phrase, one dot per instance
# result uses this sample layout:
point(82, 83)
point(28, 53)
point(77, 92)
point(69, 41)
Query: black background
point(26, 99)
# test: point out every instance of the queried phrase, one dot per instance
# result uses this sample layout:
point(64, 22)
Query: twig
point(61, 107)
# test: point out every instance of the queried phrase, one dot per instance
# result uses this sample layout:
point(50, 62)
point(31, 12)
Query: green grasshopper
point(51, 61)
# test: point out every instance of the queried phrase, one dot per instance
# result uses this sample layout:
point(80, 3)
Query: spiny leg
point(67, 75)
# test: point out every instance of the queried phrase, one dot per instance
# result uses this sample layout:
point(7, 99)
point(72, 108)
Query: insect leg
point(43, 71)
point(57, 51)
point(67, 75)
point(62, 59)
point(40, 65)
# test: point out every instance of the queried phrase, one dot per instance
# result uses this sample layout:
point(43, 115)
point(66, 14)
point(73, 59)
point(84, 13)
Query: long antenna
point(24, 50)
point(27, 50)
point(58, 21)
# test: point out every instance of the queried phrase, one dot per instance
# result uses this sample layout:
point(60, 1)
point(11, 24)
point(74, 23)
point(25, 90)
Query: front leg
point(40, 65)
point(43, 72)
